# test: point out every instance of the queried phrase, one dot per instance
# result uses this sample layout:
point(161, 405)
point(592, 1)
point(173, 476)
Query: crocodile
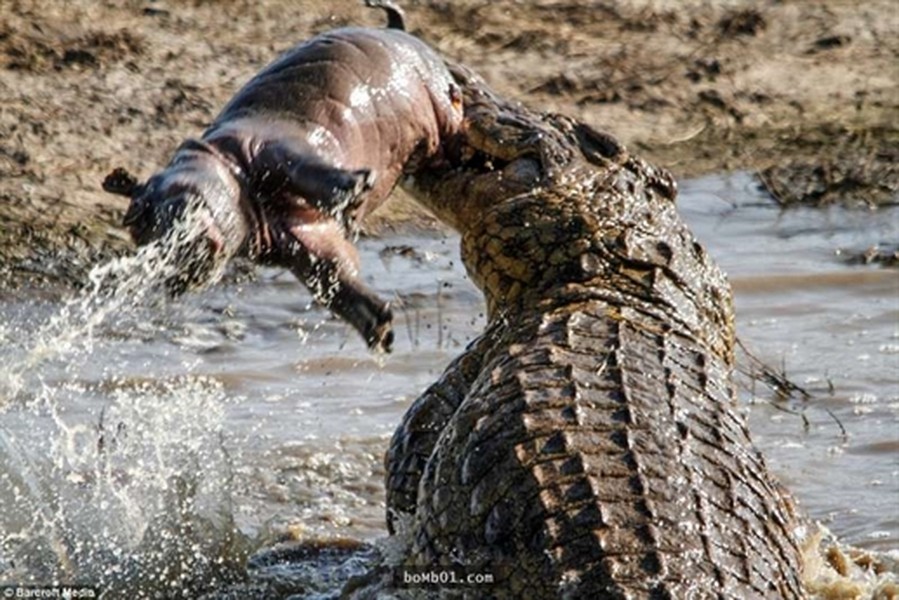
point(588, 444)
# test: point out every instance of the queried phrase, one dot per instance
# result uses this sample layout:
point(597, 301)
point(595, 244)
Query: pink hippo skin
point(304, 151)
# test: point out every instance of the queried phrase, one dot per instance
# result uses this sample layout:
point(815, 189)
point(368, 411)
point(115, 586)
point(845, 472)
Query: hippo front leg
point(362, 308)
point(328, 265)
point(331, 190)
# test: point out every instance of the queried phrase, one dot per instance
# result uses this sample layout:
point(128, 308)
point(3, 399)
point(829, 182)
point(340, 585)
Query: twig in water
point(838, 422)
point(779, 382)
point(405, 310)
point(786, 389)
point(101, 440)
point(831, 389)
point(806, 425)
point(439, 315)
point(417, 327)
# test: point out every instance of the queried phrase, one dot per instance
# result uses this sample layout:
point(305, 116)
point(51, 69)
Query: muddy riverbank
point(803, 93)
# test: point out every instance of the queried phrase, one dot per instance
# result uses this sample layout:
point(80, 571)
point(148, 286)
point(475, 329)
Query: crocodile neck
point(552, 247)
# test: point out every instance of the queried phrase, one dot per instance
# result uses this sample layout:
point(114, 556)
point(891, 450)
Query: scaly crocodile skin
point(588, 445)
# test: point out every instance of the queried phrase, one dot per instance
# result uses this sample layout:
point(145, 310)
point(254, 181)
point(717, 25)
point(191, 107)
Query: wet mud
point(804, 94)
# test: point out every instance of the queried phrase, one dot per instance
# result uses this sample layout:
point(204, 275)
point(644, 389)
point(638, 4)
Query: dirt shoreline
point(805, 93)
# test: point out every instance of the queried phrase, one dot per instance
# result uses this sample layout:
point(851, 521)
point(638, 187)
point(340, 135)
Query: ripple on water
point(243, 415)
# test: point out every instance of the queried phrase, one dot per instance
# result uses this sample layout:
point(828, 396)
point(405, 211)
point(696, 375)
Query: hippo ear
point(121, 183)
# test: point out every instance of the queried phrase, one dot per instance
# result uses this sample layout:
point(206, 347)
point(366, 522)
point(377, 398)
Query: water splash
point(128, 489)
point(116, 287)
point(137, 502)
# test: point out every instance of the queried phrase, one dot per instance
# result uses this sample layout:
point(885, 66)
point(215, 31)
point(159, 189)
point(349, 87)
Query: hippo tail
point(396, 18)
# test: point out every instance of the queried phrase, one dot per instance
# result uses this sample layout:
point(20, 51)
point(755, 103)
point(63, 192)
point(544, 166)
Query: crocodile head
point(551, 210)
point(520, 189)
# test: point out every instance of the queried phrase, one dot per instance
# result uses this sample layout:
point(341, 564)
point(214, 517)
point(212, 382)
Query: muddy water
point(168, 439)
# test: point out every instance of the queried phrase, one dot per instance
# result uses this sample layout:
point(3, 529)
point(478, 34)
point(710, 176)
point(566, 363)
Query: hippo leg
point(328, 265)
point(331, 190)
point(372, 317)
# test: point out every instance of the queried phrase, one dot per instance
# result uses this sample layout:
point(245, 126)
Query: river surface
point(140, 436)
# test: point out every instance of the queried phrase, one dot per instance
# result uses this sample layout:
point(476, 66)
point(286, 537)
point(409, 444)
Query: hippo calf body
point(306, 149)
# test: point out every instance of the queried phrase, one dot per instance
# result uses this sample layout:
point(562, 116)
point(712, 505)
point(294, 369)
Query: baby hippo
point(305, 150)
